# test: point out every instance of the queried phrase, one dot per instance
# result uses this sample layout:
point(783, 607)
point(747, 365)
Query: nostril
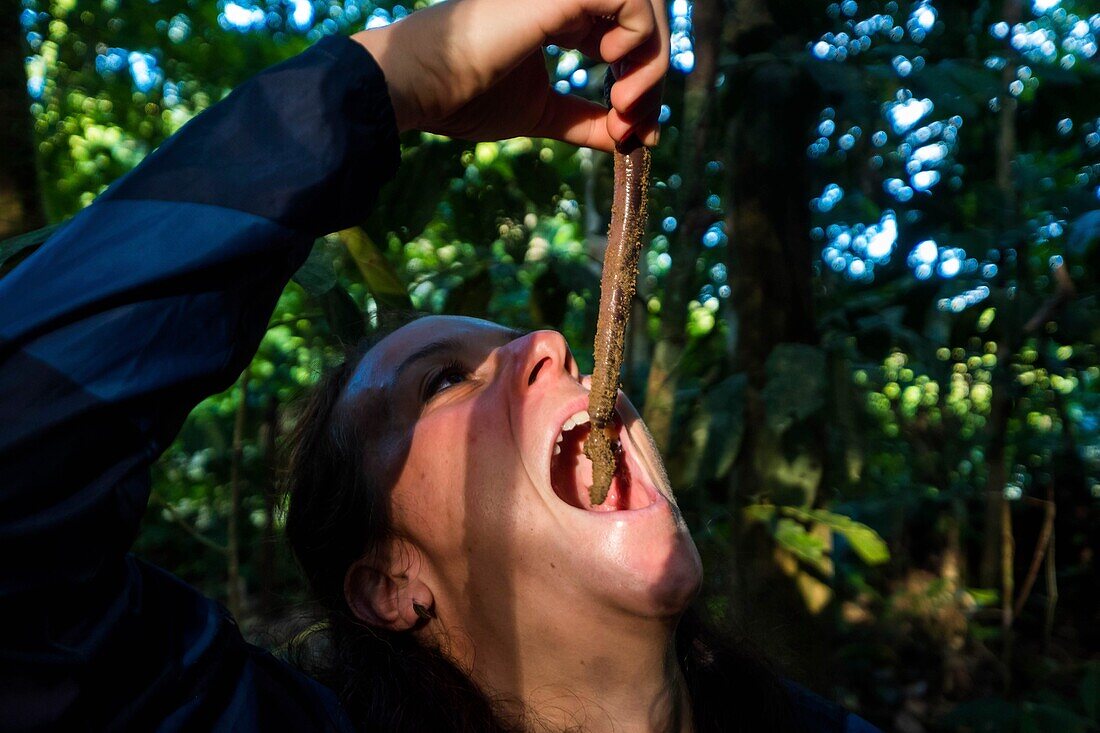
point(536, 370)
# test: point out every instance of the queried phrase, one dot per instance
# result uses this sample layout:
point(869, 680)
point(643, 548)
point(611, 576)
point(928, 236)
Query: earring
point(423, 612)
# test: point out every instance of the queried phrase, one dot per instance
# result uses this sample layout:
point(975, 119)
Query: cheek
point(455, 484)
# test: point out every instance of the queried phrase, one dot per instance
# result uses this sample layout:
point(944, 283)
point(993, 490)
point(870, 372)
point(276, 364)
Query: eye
point(446, 377)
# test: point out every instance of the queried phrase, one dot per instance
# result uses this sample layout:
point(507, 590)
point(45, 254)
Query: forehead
point(378, 367)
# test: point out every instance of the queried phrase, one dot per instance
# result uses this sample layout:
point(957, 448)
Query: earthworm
point(620, 272)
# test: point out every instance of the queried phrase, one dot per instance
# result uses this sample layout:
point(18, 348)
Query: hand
point(474, 69)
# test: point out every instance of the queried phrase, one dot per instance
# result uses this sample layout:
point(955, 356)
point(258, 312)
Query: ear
point(382, 593)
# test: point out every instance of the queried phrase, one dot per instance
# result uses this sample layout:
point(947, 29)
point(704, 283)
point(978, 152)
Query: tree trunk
point(699, 103)
point(774, 105)
point(770, 253)
point(20, 202)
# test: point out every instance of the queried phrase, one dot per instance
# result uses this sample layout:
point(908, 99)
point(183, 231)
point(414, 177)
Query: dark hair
point(386, 680)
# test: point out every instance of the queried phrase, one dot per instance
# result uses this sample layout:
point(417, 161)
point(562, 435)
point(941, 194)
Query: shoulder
point(815, 714)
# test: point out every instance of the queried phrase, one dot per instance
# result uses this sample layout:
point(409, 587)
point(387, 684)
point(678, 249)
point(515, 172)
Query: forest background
point(865, 335)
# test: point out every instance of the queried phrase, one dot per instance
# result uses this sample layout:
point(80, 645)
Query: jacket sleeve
point(152, 298)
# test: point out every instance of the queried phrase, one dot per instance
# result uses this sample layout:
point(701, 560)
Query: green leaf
point(26, 243)
point(409, 203)
point(381, 279)
point(471, 296)
point(344, 318)
point(316, 275)
point(717, 429)
point(759, 512)
point(796, 384)
point(793, 537)
point(866, 542)
point(985, 597)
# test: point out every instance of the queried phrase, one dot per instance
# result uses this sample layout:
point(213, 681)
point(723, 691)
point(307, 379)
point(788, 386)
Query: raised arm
point(157, 295)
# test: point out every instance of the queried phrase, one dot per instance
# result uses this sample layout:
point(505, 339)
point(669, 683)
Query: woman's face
point(467, 417)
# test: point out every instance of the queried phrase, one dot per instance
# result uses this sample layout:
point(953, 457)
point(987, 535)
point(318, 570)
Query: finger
point(618, 127)
point(660, 14)
point(644, 113)
point(577, 121)
point(644, 75)
point(635, 24)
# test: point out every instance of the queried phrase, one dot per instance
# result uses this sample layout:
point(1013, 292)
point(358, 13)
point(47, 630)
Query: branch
point(1041, 547)
point(187, 527)
point(1064, 292)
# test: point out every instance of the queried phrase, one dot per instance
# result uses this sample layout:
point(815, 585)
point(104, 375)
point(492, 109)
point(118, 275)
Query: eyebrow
point(425, 351)
point(448, 344)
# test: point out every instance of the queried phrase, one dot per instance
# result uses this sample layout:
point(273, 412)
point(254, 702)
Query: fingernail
point(653, 137)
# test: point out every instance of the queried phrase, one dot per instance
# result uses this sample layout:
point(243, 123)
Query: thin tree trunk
point(234, 594)
point(1052, 594)
point(269, 437)
point(770, 253)
point(20, 200)
point(995, 503)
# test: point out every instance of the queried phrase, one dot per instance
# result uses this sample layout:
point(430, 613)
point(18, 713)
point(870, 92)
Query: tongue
point(571, 475)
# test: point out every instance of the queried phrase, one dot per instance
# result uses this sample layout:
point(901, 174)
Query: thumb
point(574, 120)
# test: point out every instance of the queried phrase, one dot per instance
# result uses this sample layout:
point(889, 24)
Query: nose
point(541, 357)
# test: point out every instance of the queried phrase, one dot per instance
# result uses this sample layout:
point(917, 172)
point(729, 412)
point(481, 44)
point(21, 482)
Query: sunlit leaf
point(866, 542)
point(382, 280)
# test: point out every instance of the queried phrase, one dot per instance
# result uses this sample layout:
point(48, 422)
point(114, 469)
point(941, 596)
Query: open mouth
point(571, 471)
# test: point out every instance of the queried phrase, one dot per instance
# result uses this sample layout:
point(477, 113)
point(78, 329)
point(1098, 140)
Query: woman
point(440, 510)
point(430, 511)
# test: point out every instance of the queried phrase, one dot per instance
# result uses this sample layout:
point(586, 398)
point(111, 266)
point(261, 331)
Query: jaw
point(634, 551)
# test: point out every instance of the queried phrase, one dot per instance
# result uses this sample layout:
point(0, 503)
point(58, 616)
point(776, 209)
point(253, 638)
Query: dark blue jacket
point(152, 298)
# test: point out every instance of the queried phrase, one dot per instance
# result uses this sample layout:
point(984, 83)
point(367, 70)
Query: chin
point(665, 576)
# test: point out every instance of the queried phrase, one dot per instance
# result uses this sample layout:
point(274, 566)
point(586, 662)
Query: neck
point(599, 672)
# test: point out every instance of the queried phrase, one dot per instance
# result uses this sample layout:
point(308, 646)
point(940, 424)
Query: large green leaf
point(716, 430)
point(409, 202)
point(317, 277)
point(866, 542)
point(25, 244)
point(381, 278)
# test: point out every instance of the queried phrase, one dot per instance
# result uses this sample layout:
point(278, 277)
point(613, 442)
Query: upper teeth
point(578, 419)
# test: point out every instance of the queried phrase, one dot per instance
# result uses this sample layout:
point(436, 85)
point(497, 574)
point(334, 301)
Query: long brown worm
point(629, 210)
